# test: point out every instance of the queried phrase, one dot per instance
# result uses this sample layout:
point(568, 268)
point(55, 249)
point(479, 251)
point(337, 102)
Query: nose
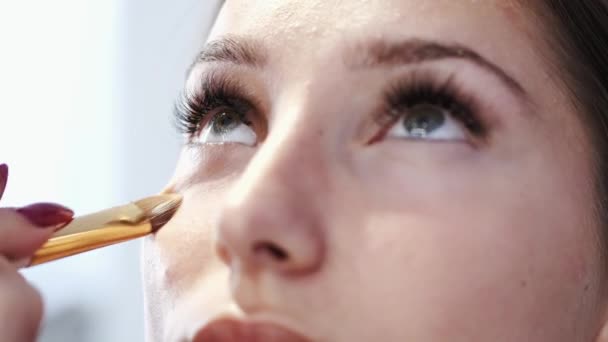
point(272, 221)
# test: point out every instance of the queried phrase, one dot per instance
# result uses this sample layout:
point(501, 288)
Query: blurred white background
point(86, 92)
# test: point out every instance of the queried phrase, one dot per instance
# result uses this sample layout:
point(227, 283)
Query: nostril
point(223, 253)
point(271, 249)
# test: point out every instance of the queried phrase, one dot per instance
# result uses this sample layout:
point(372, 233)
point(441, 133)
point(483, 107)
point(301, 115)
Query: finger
point(3, 178)
point(24, 230)
point(20, 307)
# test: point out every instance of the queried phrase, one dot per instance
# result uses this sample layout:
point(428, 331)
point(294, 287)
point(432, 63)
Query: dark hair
point(578, 31)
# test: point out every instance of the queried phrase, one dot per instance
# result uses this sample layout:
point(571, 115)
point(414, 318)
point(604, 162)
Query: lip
point(234, 330)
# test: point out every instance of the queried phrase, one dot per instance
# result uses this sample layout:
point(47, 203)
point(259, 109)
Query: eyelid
point(425, 84)
point(239, 82)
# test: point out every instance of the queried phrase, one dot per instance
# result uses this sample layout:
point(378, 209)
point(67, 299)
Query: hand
point(22, 232)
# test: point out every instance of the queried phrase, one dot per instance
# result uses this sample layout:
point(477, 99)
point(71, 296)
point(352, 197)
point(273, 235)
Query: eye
point(220, 110)
point(227, 125)
point(424, 107)
point(426, 121)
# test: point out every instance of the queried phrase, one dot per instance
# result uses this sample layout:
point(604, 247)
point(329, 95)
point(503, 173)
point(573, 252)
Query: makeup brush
point(109, 227)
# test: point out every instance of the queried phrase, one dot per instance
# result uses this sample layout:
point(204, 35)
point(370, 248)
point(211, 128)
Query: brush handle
point(67, 245)
point(108, 227)
point(126, 214)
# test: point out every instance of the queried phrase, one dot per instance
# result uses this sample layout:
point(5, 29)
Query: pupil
point(224, 122)
point(423, 120)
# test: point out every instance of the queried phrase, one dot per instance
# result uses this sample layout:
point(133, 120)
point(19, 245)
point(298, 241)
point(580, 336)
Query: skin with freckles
point(345, 225)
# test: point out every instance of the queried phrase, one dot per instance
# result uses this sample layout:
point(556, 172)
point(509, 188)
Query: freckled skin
point(406, 241)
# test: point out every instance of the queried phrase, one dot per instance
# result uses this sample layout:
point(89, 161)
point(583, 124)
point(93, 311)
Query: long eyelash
point(428, 89)
point(192, 108)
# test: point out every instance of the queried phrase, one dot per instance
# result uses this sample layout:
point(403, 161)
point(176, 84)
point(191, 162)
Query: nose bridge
point(291, 160)
point(271, 220)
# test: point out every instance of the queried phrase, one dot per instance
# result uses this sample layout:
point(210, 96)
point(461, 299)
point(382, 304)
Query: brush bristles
point(160, 209)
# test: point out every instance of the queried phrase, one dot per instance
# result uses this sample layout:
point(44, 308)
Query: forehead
point(318, 31)
point(305, 22)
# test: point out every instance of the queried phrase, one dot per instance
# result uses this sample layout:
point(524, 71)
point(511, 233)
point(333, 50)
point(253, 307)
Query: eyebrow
point(233, 50)
point(372, 54)
point(416, 51)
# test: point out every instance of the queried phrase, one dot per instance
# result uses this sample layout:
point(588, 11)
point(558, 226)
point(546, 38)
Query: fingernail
point(3, 178)
point(46, 215)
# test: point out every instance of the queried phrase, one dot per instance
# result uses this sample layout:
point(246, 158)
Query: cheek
point(183, 252)
point(207, 165)
point(181, 257)
point(449, 231)
point(184, 247)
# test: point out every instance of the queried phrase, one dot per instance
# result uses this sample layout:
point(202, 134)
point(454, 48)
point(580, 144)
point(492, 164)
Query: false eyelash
point(192, 108)
point(429, 89)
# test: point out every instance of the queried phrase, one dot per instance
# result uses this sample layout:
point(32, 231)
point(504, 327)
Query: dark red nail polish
point(46, 215)
point(3, 178)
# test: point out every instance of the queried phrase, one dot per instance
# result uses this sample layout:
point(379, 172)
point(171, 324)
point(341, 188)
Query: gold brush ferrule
point(106, 228)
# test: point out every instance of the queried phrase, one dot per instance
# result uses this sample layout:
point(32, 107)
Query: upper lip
point(235, 330)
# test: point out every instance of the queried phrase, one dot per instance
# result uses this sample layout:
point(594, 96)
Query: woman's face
point(390, 170)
